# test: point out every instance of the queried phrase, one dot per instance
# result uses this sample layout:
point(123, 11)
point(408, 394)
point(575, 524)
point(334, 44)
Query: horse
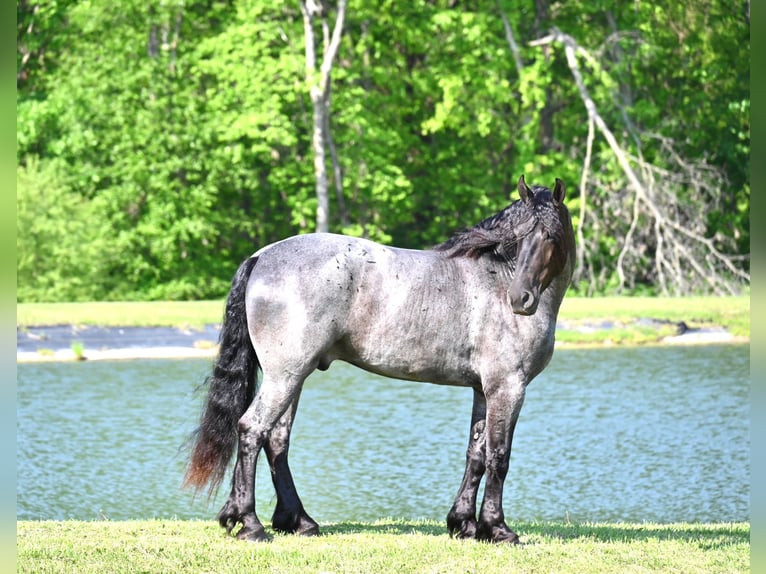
point(478, 311)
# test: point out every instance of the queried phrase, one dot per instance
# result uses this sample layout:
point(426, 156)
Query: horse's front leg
point(461, 519)
point(503, 407)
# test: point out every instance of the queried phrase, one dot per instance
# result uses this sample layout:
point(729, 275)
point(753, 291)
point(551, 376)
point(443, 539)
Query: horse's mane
point(497, 234)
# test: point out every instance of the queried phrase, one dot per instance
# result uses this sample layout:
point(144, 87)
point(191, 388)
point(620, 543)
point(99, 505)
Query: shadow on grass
point(706, 536)
point(385, 527)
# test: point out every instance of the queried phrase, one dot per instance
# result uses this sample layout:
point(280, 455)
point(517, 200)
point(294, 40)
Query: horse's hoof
point(227, 521)
point(257, 534)
point(463, 529)
point(309, 530)
point(509, 537)
point(307, 526)
point(301, 524)
point(498, 534)
point(461, 524)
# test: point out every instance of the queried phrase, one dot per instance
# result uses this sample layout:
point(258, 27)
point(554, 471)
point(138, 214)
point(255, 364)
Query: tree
point(41, 37)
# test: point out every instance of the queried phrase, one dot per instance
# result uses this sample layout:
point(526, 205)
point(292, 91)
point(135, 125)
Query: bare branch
point(511, 40)
point(332, 48)
point(583, 254)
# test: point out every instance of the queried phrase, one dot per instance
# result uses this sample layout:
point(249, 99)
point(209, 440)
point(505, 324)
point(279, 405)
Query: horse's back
point(311, 262)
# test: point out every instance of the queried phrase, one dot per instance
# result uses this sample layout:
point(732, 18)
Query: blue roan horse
point(477, 311)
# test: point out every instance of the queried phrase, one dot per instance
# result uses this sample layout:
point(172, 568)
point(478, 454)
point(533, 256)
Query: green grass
point(626, 313)
point(185, 314)
point(730, 312)
point(628, 316)
point(387, 546)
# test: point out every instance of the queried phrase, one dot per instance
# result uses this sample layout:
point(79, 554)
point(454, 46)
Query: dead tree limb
point(666, 230)
point(509, 37)
point(584, 265)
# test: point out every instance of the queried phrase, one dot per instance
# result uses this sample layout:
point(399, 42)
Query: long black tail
point(231, 388)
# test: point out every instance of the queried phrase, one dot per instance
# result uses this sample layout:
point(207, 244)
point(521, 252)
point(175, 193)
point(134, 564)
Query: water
point(645, 434)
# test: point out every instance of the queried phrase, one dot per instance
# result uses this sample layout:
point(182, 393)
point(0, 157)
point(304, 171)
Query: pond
point(657, 434)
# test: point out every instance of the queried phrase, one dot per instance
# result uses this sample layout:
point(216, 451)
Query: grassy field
point(121, 314)
point(627, 316)
point(389, 546)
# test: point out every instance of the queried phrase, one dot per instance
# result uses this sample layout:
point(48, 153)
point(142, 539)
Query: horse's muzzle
point(524, 301)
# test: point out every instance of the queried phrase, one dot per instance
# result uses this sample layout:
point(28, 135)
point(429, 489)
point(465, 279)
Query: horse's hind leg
point(272, 400)
point(461, 519)
point(240, 506)
point(289, 515)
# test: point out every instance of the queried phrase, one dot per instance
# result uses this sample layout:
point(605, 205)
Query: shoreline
point(184, 344)
point(124, 354)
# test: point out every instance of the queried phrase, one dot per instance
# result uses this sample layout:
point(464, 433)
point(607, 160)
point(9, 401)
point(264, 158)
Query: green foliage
point(120, 126)
point(78, 350)
point(57, 242)
point(160, 143)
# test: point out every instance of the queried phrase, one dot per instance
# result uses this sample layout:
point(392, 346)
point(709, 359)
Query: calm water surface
point(647, 434)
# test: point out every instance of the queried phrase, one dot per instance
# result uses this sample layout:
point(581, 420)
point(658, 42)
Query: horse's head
point(544, 245)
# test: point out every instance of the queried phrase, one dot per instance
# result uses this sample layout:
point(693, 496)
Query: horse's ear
point(525, 193)
point(559, 191)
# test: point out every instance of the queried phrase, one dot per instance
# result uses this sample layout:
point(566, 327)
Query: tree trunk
point(319, 89)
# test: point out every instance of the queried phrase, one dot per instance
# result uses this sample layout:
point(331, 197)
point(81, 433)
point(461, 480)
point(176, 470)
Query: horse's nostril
point(526, 298)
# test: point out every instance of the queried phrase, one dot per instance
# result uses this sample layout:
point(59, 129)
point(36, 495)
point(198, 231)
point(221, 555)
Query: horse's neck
point(555, 293)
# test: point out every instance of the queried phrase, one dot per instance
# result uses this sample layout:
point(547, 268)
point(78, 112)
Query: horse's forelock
point(547, 213)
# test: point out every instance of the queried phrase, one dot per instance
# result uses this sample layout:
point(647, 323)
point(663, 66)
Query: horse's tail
point(231, 388)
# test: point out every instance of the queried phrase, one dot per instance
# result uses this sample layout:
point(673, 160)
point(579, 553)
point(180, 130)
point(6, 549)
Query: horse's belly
point(429, 373)
point(417, 358)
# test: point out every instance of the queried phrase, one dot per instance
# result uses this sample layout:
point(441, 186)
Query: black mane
point(499, 233)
